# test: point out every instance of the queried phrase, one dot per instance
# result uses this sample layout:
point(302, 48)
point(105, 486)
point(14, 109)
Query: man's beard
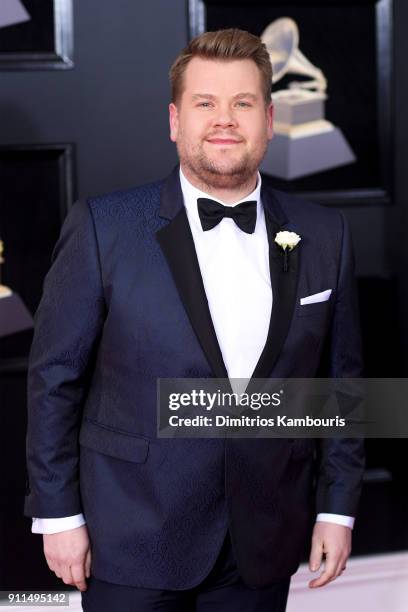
point(214, 175)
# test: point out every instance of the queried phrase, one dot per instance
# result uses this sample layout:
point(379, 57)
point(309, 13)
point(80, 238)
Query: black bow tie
point(212, 212)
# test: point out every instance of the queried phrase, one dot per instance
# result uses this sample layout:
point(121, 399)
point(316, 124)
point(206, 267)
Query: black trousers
point(221, 591)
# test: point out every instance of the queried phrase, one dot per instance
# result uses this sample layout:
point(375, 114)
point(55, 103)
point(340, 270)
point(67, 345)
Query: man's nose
point(225, 117)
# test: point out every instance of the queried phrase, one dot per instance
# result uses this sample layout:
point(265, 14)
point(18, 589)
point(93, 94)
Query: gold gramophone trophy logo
point(14, 314)
point(4, 291)
point(304, 141)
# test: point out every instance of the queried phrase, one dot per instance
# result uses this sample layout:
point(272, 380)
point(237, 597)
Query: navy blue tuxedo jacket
point(124, 304)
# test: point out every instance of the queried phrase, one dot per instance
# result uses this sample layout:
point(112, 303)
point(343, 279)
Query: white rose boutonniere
point(287, 241)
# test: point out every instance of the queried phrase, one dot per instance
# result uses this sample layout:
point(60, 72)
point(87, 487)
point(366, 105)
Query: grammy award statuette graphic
point(14, 315)
point(304, 142)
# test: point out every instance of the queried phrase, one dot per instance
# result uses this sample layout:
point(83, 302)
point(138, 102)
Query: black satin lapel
point(177, 244)
point(284, 286)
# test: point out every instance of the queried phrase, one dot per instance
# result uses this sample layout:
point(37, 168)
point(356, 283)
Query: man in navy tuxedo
point(183, 278)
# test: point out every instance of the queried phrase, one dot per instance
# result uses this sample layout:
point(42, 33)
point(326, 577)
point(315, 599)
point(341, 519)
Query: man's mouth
point(223, 141)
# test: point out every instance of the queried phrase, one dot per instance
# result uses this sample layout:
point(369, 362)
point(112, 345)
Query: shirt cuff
point(56, 525)
point(339, 519)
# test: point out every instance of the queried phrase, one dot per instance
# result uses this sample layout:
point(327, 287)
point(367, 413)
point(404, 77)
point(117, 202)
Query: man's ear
point(269, 114)
point(173, 121)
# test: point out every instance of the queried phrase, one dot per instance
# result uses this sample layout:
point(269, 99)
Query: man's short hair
point(230, 44)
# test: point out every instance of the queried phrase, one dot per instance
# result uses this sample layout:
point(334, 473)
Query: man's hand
point(333, 541)
point(68, 554)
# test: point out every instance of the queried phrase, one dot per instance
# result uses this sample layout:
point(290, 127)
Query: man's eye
point(243, 103)
point(206, 104)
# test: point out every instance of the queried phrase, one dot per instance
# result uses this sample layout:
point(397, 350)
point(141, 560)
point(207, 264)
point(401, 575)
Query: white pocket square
point(323, 296)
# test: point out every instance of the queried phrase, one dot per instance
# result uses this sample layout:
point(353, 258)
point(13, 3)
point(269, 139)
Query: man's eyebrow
point(202, 95)
point(245, 94)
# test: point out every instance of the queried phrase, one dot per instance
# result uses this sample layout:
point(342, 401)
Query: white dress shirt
point(235, 269)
